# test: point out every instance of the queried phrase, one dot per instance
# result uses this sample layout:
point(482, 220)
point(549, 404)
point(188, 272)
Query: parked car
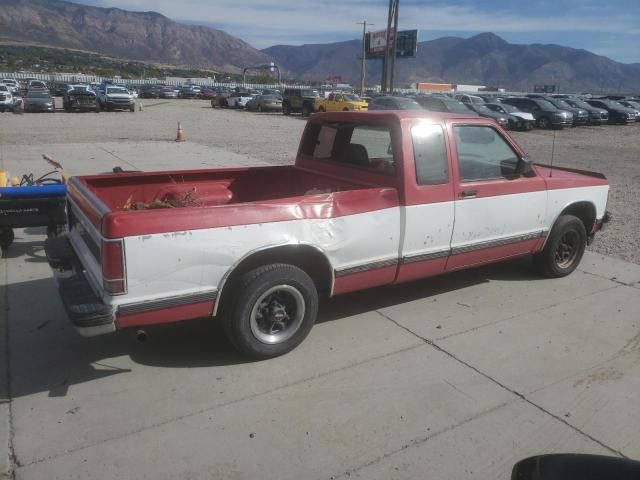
point(116, 98)
point(150, 91)
point(482, 110)
point(220, 99)
point(295, 100)
point(59, 89)
point(80, 98)
point(340, 102)
point(12, 85)
point(37, 85)
point(38, 100)
point(265, 103)
point(189, 91)
point(618, 113)
point(580, 116)
point(369, 202)
point(545, 113)
point(168, 92)
point(469, 98)
point(208, 93)
point(597, 116)
point(393, 103)
point(238, 99)
point(436, 103)
point(635, 106)
point(517, 120)
point(6, 99)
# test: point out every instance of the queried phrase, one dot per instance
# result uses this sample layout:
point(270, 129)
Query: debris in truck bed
point(168, 200)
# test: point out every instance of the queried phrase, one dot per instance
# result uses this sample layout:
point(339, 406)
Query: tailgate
point(102, 258)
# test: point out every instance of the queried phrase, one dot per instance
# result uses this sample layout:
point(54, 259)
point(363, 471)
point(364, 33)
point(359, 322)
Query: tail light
point(113, 268)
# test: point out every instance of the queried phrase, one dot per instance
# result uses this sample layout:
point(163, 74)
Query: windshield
point(310, 93)
point(353, 98)
point(581, 104)
point(455, 106)
point(546, 105)
point(483, 109)
point(119, 90)
point(38, 95)
point(509, 108)
point(558, 102)
point(612, 104)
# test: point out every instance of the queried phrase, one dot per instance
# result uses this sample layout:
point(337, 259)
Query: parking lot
point(455, 377)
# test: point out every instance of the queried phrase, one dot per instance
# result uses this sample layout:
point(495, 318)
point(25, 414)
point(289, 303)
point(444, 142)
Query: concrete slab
point(489, 295)
point(91, 158)
point(603, 401)
point(90, 390)
point(485, 448)
point(537, 349)
point(612, 268)
point(315, 429)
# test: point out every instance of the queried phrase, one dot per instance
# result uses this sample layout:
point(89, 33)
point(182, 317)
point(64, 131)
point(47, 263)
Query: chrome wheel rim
point(277, 314)
point(567, 249)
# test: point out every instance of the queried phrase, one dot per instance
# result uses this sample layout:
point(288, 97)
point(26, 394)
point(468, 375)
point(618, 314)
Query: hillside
point(484, 59)
point(144, 36)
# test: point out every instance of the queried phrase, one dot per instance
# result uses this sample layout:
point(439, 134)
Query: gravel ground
point(272, 137)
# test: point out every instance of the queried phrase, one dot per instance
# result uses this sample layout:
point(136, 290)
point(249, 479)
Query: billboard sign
point(407, 44)
point(378, 41)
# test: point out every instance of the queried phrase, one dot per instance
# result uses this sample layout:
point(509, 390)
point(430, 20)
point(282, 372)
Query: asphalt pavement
point(455, 377)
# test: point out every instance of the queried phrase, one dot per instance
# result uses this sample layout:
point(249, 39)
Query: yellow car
point(340, 102)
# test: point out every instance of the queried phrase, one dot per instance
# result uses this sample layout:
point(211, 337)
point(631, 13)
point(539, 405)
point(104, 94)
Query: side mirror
point(523, 166)
point(573, 466)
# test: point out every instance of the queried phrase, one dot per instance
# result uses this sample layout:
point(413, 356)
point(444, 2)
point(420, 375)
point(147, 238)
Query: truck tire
point(286, 109)
point(306, 109)
point(564, 249)
point(321, 109)
point(274, 309)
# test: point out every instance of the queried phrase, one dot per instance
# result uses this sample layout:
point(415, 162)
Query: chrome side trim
point(423, 257)
point(365, 267)
point(167, 302)
point(498, 242)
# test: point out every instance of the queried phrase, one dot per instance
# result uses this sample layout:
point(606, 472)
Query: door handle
point(468, 193)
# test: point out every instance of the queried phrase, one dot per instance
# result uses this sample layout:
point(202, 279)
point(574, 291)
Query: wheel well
point(307, 258)
point(585, 211)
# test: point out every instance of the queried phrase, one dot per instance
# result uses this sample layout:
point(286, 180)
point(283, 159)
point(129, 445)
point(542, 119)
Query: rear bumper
point(86, 311)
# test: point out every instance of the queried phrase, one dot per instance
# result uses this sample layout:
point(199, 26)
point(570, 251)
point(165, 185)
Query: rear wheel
point(259, 108)
point(286, 109)
point(564, 249)
point(272, 312)
point(306, 110)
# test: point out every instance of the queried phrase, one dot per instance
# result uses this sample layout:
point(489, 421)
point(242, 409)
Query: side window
point(331, 97)
point(483, 154)
point(430, 153)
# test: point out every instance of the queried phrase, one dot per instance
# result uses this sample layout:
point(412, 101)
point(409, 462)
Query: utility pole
point(394, 49)
point(385, 59)
point(364, 54)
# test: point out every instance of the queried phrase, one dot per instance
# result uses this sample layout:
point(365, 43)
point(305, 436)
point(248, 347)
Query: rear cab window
point(359, 146)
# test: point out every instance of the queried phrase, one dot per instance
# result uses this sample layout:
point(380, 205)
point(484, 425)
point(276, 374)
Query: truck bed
point(140, 202)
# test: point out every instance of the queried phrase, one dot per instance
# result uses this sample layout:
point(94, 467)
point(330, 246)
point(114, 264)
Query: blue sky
point(605, 27)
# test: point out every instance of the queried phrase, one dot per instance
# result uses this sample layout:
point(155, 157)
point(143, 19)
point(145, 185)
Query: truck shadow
point(47, 355)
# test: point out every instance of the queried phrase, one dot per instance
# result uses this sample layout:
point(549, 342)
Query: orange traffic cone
point(180, 136)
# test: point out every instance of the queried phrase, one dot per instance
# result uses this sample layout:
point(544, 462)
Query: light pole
point(364, 54)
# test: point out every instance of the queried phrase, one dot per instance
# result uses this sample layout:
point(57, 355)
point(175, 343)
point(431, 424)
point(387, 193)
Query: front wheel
point(544, 123)
point(564, 249)
point(273, 311)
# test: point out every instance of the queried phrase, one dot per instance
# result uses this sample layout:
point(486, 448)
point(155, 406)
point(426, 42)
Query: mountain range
point(484, 59)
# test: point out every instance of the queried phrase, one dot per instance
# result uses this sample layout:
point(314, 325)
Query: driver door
point(498, 214)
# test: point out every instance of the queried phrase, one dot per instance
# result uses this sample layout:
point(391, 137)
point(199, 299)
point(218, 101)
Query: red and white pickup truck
point(373, 199)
